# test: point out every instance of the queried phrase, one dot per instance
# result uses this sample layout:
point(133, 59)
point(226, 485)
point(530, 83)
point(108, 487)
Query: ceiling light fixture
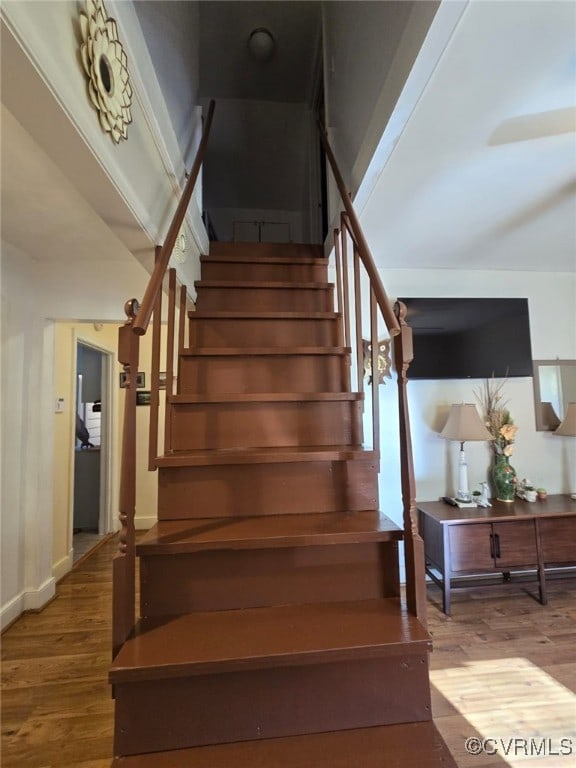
point(261, 44)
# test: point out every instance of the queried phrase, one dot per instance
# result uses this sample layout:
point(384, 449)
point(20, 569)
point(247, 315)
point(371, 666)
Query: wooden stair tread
point(252, 351)
point(264, 455)
point(267, 397)
point(262, 259)
point(409, 745)
point(274, 284)
point(182, 536)
point(291, 250)
point(216, 642)
point(196, 314)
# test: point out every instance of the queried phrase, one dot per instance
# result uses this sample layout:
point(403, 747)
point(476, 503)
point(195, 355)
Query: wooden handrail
point(397, 327)
point(155, 284)
point(124, 569)
point(361, 244)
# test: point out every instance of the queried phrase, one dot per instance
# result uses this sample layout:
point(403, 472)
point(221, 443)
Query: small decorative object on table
point(542, 494)
point(525, 490)
point(503, 431)
point(483, 499)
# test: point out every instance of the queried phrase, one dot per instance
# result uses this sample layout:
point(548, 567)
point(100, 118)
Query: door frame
point(106, 516)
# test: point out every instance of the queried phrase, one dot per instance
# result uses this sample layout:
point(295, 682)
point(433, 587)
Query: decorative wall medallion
point(105, 63)
point(383, 360)
point(179, 252)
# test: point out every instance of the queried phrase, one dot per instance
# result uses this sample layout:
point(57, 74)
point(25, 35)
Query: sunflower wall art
point(105, 64)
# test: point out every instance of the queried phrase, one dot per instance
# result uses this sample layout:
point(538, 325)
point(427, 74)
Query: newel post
point(413, 544)
point(123, 564)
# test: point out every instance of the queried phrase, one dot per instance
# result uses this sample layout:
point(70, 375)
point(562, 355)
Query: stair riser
point(187, 712)
point(222, 580)
point(265, 271)
point(264, 424)
point(265, 299)
point(243, 490)
point(255, 332)
point(266, 250)
point(266, 373)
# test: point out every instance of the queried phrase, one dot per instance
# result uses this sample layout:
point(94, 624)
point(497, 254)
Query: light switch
point(60, 403)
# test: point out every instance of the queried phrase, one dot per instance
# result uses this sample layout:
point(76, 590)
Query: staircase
point(272, 633)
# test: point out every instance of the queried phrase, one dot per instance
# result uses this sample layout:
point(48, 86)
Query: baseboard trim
point(63, 566)
point(144, 523)
point(37, 598)
point(11, 611)
point(28, 600)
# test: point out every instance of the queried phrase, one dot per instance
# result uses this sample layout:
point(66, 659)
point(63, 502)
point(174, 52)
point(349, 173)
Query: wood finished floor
point(503, 666)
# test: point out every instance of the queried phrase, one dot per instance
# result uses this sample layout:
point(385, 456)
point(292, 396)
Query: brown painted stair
point(272, 632)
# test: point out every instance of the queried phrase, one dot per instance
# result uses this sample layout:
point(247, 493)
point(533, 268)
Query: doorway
point(90, 519)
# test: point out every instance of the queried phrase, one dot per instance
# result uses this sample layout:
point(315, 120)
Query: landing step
point(410, 745)
point(265, 455)
point(184, 536)
point(217, 642)
point(268, 397)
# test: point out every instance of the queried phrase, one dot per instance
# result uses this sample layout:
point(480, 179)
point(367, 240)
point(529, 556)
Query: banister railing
point(155, 284)
point(349, 296)
point(138, 319)
point(360, 241)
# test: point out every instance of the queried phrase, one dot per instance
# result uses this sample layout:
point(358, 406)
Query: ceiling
point(481, 175)
point(228, 71)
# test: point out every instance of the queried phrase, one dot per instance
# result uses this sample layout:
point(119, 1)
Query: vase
point(504, 477)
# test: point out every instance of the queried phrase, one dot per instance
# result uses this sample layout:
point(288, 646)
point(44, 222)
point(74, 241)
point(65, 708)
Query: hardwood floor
point(503, 667)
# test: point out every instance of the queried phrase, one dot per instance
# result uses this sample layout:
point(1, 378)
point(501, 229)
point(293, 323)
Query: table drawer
point(558, 540)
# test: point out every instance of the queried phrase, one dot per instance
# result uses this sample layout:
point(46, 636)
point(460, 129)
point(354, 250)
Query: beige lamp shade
point(548, 415)
point(464, 424)
point(568, 426)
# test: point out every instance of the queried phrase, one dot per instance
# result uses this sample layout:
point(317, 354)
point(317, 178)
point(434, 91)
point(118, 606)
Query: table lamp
point(464, 424)
point(567, 428)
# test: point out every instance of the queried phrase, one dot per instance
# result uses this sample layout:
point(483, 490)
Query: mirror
point(554, 388)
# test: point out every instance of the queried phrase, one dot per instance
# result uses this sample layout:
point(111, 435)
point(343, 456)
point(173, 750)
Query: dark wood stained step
point(271, 482)
point(264, 269)
point(231, 315)
point(264, 369)
point(183, 536)
point(265, 296)
point(263, 351)
point(263, 285)
point(265, 455)
point(265, 258)
point(218, 642)
point(410, 745)
point(268, 397)
point(279, 250)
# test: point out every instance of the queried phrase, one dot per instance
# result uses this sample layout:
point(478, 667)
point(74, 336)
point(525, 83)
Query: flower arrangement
point(497, 417)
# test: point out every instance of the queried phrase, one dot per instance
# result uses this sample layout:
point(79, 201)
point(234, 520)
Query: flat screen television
point(469, 338)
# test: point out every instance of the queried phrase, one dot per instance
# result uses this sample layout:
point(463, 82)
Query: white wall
point(171, 31)
point(26, 394)
point(369, 50)
point(33, 295)
point(134, 186)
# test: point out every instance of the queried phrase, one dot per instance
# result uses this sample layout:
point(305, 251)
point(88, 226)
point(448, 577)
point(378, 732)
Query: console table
point(517, 536)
